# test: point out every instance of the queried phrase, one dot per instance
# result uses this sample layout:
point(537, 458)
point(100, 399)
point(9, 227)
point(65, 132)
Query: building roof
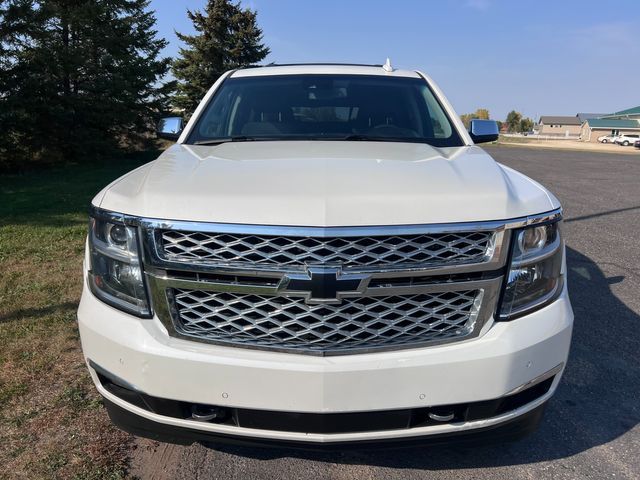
point(586, 116)
point(320, 69)
point(559, 120)
point(612, 123)
point(635, 111)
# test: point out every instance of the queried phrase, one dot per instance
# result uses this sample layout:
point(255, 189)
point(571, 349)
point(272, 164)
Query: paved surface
point(591, 426)
point(535, 142)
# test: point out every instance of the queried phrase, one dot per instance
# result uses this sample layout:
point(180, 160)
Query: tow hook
point(207, 413)
point(441, 415)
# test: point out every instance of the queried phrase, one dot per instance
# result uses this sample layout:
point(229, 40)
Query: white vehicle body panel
point(315, 183)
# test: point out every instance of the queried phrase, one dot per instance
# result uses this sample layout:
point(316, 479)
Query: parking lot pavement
point(591, 428)
point(563, 144)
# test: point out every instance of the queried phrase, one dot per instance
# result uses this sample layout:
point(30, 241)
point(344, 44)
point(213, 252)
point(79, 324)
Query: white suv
point(626, 139)
point(325, 259)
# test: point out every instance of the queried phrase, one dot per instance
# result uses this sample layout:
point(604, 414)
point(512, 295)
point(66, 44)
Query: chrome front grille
point(286, 252)
point(290, 324)
point(324, 290)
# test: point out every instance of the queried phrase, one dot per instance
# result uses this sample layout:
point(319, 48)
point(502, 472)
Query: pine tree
point(227, 37)
point(82, 78)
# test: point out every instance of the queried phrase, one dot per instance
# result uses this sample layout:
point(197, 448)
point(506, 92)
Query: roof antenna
point(387, 66)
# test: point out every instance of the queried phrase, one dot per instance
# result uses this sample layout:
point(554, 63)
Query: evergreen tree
point(80, 78)
point(227, 37)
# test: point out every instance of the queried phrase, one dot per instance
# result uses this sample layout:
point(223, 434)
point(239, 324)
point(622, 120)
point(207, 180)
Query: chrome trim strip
point(114, 378)
point(165, 281)
point(539, 379)
point(311, 231)
point(321, 232)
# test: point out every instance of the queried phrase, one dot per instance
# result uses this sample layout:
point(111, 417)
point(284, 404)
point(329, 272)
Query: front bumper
point(508, 430)
point(507, 356)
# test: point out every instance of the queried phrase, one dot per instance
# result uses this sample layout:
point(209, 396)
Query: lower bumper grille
point(356, 324)
point(325, 423)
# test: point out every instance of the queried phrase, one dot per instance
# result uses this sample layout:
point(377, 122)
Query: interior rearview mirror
point(483, 131)
point(169, 128)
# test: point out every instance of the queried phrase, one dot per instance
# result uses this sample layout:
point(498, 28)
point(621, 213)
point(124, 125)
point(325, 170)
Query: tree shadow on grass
point(60, 196)
point(595, 403)
point(21, 313)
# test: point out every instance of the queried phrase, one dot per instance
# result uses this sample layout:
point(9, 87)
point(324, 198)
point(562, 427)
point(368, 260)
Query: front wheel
point(625, 144)
point(605, 141)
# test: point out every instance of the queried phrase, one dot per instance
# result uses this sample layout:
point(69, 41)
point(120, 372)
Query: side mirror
point(169, 128)
point(483, 131)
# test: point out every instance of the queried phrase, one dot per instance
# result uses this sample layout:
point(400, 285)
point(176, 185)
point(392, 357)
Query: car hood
point(332, 183)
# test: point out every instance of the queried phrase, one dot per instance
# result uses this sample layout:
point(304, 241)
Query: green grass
point(52, 423)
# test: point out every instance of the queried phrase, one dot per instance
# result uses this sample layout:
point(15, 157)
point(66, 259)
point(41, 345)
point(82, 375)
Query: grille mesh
point(282, 252)
point(357, 323)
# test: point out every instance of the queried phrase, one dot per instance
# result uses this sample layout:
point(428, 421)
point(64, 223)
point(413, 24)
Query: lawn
point(52, 423)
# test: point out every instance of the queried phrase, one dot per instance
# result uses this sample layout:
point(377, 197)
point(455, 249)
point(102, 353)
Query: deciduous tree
point(480, 113)
point(513, 121)
point(526, 125)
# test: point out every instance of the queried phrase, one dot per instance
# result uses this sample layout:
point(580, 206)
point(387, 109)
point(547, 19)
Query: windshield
point(325, 107)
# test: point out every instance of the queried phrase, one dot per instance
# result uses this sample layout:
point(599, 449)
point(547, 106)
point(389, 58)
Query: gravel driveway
point(591, 426)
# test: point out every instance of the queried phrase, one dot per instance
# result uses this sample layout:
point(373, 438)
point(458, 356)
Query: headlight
point(535, 276)
point(115, 271)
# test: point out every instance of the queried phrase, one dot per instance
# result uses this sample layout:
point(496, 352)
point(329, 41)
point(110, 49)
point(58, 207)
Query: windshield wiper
point(235, 138)
point(358, 136)
point(379, 138)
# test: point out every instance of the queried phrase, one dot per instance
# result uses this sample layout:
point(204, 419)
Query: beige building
point(559, 126)
point(597, 127)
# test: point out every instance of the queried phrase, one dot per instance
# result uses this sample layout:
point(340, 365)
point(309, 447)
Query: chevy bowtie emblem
point(323, 285)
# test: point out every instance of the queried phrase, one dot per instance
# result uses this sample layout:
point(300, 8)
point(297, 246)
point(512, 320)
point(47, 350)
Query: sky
point(540, 58)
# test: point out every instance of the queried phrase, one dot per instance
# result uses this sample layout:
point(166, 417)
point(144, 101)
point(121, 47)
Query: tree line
point(84, 79)
point(514, 123)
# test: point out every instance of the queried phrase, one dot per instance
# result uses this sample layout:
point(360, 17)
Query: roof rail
point(273, 64)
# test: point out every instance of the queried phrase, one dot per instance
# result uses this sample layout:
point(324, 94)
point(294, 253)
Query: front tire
point(605, 141)
point(625, 144)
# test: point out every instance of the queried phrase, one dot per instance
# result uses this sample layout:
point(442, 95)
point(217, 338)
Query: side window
point(440, 123)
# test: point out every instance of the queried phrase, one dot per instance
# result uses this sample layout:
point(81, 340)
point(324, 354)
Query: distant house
point(559, 126)
point(597, 127)
point(624, 121)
